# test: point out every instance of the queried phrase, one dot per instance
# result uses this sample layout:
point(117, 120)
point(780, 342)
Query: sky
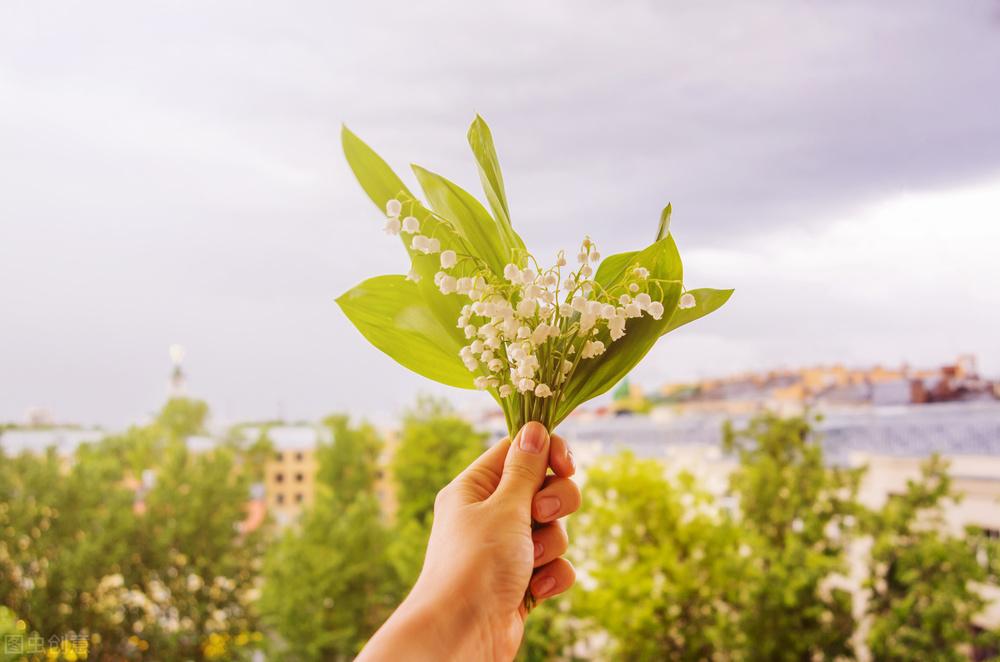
point(172, 173)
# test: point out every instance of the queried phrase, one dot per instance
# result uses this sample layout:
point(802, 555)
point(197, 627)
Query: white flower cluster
point(529, 330)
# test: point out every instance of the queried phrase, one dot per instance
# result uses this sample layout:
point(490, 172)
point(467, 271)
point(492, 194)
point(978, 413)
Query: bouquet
point(478, 310)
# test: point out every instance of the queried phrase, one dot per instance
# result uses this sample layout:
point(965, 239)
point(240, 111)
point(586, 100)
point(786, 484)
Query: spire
point(175, 388)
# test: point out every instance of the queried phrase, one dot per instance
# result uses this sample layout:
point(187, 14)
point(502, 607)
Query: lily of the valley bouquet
point(478, 310)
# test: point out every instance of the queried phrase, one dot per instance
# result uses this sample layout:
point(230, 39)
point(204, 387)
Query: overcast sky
point(171, 173)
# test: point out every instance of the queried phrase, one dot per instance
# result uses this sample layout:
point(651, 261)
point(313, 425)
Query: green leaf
point(664, 228)
point(467, 216)
point(481, 142)
point(596, 376)
point(707, 301)
point(613, 267)
point(375, 176)
point(392, 314)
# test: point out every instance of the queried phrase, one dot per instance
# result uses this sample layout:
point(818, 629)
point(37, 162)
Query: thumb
point(526, 463)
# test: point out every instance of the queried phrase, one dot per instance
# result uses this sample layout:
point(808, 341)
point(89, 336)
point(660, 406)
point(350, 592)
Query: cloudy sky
point(171, 173)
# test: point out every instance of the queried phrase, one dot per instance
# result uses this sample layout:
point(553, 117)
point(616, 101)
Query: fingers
point(558, 498)
point(550, 541)
point(480, 479)
point(526, 464)
point(552, 579)
point(561, 458)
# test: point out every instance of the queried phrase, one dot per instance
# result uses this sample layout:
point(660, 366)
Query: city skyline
point(170, 183)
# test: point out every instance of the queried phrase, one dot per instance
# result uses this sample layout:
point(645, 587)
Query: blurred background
point(200, 458)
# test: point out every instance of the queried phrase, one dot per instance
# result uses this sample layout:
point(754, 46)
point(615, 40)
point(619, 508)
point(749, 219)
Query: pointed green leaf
point(596, 376)
point(481, 142)
point(613, 267)
point(375, 176)
point(664, 228)
point(467, 216)
point(707, 301)
point(391, 313)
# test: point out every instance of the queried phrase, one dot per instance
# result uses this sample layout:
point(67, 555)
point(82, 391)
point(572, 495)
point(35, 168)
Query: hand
point(482, 555)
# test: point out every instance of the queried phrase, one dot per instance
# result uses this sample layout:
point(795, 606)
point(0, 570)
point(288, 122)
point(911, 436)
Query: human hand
point(483, 554)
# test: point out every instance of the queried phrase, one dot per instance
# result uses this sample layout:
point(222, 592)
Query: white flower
point(486, 356)
point(541, 333)
point(391, 226)
point(526, 308)
point(581, 257)
point(464, 285)
point(587, 321)
point(470, 331)
point(476, 346)
point(411, 225)
point(512, 273)
point(471, 364)
point(448, 259)
point(592, 348)
point(595, 256)
point(480, 382)
point(566, 367)
point(687, 301)
point(550, 280)
point(579, 304)
point(641, 272)
point(655, 309)
point(633, 288)
point(527, 276)
point(617, 326)
point(607, 311)
point(643, 300)
point(624, 299)
point(543, 391)
point(565, 310)
point(561, 259)
point(393, 208)
point(526, 385)
point(586, 270)
point(798, 525)
point(633, 310)
point(523, 332)
point(495, 365)
point(433, 246)
point(419, 243)
point(413, 275)
point(506, 390)
point(447, 284)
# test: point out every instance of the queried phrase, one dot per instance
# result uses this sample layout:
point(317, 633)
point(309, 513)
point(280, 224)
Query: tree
point(664, 561)
point(183, 417)
point(329, 583)
point(796, 516)
point(922, 596)
point(435, 444)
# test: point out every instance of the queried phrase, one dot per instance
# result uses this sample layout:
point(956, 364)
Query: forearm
point(427, 627)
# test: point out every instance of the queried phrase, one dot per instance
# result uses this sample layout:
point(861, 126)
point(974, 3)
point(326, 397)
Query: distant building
point(290, 475)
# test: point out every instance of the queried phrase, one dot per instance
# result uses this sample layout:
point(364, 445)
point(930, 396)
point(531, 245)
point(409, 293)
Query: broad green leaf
point(596, 376)
point(664, 228)
point(481, 142)
point(375, 176)
point(392, 314)
point(613, 267)
point(707, 301)
point(467, 216)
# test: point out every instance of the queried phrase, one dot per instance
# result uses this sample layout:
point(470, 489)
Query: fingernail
point(539, 549)
point(533, 437)
point(572, 460)
point(548, 506)
point(542, 587)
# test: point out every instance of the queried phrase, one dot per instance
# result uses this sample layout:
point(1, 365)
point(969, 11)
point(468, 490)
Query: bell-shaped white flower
point(411, 225)
point(579, 303)
point(543, 391)
point(633, 288)
point(581, 257)
point(470, 331)
point(632, 310)
point(512, 273)
point(433, 246)
point(587, 321)
point(641, 272)
point(566, 367)
point(448, 285)
point(526, 308)
point(412, 275)
point(592, 348)
point(595, 256)
point(448, 259)
point(655, 310)
point(495, 365)
point(561, 259)
point(643, 300)
point(393, 208)
point(480, 382)
point(526, 385)
point(477, 346)
point(506, 390)
point(687, 301)
point(616, 325)
point(391, 226)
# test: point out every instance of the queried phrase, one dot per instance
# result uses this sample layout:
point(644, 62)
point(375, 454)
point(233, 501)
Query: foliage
point(796, 516)
point(923, 597)
point(329, 583)
point(665, 562)
point(183, 417)
point(132, 543)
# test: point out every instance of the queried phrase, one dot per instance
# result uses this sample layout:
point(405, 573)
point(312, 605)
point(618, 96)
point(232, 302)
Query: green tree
point(329, 583)
point(435, 444)
point(796, 516)
point(664, 560)
point(923, 599)
point(183, 417)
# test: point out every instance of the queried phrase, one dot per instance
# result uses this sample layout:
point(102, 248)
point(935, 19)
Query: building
point(290, 475)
